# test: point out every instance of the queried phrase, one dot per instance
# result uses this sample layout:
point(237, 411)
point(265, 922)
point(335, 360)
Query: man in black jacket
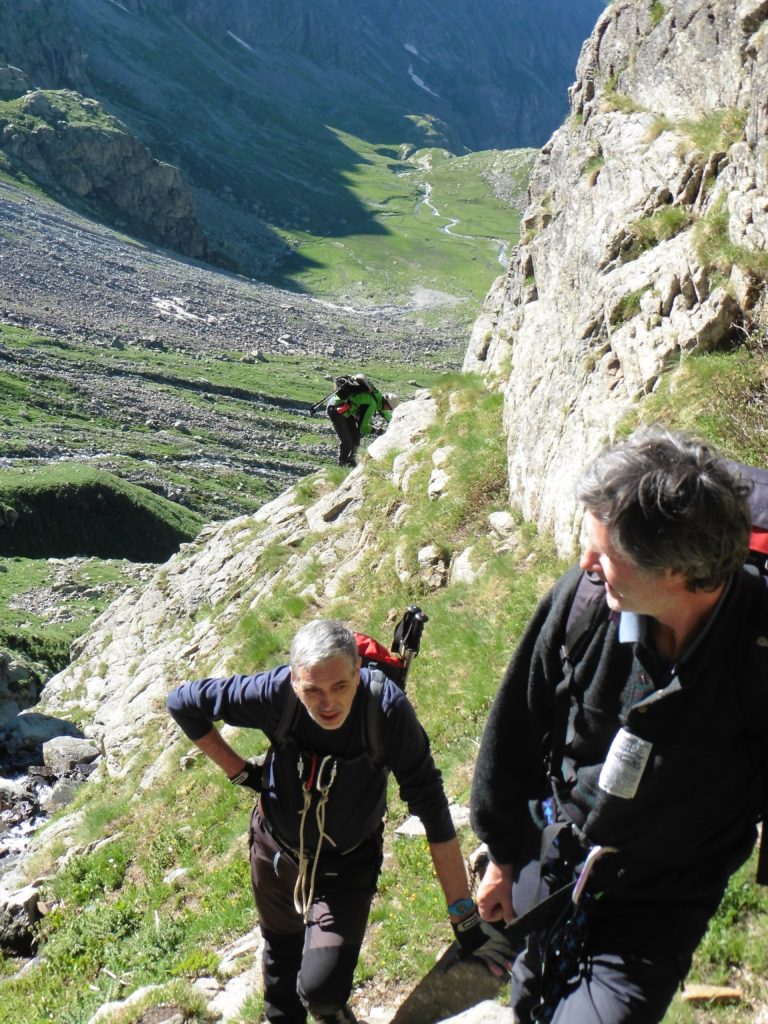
point(658, 749)
point(316, 832)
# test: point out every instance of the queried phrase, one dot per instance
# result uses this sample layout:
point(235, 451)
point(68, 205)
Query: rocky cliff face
point(44, 37)
point(643, 240)
point(71, 144)
point(494, 73)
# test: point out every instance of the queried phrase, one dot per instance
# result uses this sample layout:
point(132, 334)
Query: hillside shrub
point(715, 249)
point(660, 226)
point(627, 307)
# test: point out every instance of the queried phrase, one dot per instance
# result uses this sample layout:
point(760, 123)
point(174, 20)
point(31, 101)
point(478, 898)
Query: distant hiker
point(635, 730)
point(352, 408)
point(316, 831)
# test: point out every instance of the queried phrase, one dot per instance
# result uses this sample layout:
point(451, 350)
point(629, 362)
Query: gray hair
point(671, 501)
point(319, 641)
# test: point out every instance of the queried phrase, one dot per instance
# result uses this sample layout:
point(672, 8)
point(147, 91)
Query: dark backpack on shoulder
point(346, 386)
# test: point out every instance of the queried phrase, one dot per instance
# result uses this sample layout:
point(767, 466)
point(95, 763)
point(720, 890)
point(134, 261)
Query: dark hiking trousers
point(348, 432)
point(310, 967)
point(610, 988)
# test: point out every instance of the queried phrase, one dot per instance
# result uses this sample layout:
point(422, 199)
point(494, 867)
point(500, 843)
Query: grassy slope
point(64, 408)
point(117, 910)
point(405, 246)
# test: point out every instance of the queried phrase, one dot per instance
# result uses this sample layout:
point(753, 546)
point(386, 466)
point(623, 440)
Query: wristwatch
point(241, 777)
point(461, 907)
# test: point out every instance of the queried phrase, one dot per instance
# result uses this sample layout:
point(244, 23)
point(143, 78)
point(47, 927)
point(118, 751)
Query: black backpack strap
point(588, 607)
point(375, 690)
point(761, 875)
point(288, 715)
point(373, 716)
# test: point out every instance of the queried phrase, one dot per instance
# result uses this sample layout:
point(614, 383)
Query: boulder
point(63, 753)
point(18, 915)
point(13, 82)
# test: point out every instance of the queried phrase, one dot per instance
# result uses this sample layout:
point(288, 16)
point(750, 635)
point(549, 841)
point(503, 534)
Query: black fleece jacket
point(692, 820)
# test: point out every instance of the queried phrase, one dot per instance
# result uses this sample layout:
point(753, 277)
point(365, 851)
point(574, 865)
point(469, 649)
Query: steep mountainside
point(249, 100)
point(644, 239)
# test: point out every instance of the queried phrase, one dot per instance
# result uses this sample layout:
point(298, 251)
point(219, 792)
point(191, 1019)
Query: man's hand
point(485, 941)
point(494, 895)
point(250, 776)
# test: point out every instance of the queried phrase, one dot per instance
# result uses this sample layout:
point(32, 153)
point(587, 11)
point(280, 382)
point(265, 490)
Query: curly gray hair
point(671, 501)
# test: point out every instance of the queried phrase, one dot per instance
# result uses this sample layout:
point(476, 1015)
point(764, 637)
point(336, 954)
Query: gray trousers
point(610, 988)
point(310, 967)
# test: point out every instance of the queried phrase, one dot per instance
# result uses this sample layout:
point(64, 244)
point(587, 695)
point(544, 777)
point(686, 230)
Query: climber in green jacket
point(351, 409)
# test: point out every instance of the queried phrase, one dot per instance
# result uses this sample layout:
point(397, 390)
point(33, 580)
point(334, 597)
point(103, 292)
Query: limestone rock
point(463, 569)
point(438, 483)
point(487, 1012)
point(18, 916)
point(81, 149)
point(434, 571)
point(20, 686)
point(13, 82)
point(586, 320)
point(65, 752)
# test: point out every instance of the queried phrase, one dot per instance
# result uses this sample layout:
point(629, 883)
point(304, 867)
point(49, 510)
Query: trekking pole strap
point(541, 915)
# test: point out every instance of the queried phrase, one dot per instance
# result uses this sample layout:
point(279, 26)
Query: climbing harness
point(564, 942)
point(318, 775)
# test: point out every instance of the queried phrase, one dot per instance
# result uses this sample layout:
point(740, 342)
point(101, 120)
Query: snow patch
point(239, 40)
point(421, 83)
point(175, 307)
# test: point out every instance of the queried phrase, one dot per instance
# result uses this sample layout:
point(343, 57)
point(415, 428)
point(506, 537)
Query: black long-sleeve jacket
point(703, 723)
point(357, 796)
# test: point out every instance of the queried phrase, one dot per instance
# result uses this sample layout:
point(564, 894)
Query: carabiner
point(592, 858)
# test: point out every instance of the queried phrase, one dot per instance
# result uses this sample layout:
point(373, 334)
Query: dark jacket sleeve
point(408, 754)
point(510, 766)
point(240, 700)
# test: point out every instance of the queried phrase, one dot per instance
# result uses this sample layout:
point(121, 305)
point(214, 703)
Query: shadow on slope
point(68, 511)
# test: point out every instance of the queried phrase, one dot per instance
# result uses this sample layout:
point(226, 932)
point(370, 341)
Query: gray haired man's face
point(327, 690)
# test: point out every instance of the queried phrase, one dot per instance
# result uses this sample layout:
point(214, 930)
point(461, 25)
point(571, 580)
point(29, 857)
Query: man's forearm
point(213, 745)
point(450, 869)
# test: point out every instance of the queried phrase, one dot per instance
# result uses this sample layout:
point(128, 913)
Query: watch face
point(461, 907)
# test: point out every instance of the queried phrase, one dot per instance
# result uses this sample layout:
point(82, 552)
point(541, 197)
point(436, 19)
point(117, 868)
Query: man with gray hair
point(626, 750)
point(316, 832)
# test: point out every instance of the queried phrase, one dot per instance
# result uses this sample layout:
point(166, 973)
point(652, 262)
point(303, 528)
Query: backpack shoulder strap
point(758, 708)
point(373, 716)
point(587, 609)
point(288, 715)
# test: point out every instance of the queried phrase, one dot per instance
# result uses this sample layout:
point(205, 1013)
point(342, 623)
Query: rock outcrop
point(612, 282)
point(71, 144)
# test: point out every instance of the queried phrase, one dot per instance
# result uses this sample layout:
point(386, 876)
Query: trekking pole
point(407, 641)
point(314, 408)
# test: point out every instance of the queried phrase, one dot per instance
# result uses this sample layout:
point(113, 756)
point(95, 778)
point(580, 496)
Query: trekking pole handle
point(593, 857)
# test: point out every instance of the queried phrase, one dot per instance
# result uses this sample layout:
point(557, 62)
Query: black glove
point(481, 939)
point(250, 776)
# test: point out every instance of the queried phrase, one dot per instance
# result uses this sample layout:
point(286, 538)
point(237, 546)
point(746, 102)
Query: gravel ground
point(66, 275)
